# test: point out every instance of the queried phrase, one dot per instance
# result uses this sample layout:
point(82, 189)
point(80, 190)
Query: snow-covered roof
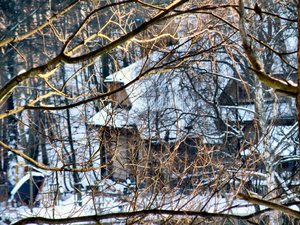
point(23, 180)
point(273, 111)
point(127, 74)
point(112, 117)
point(159, 101)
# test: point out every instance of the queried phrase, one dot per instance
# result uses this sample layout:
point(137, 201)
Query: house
point(152, 116)
point(142, 125)
point(275, 149)
point(238, 108)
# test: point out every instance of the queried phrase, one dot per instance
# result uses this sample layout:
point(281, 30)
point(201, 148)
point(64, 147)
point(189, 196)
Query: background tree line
point(205, 90)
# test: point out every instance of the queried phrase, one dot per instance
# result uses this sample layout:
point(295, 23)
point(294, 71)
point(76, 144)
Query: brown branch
point(279, 54)
point(279, 85)
point(48, 168)
point(21, 108)
point(84, 168)
point(256, 200)
point(142, 213)
point(213, 7)
point(86, 21)
point(127, 36)
point(53, 64)
point(151, 70)
point(48, 68)
point(145, 4)
point(275, 15)
point(39, 28)
point(209, 12)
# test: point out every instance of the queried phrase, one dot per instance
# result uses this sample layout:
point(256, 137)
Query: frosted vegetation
point(149, 112)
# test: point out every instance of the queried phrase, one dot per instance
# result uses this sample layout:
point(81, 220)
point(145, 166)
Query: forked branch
point(282, 86)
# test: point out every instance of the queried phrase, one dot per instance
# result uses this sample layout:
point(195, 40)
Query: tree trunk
point(298, 74)
point(268, 153)
point(72, 158)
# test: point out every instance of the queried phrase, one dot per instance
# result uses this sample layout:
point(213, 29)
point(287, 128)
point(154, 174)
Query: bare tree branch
point(142, 213)
point(18, 38)
point(283, 86)
point(55, 63)
point(85, 166)
point(256, 200)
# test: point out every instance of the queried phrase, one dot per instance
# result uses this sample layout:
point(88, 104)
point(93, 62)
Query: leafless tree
point(151, 111)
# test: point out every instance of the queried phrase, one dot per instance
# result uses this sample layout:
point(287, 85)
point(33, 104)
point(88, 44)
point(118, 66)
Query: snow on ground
point(105, 204)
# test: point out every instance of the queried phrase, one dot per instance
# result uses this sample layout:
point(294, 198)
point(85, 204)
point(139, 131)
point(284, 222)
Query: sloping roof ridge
point(128, 73)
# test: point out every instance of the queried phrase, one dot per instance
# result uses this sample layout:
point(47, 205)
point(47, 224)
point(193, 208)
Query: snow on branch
point(281, 86)
point(259, 201)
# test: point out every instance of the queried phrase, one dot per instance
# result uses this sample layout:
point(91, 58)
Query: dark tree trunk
point(72, 156)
